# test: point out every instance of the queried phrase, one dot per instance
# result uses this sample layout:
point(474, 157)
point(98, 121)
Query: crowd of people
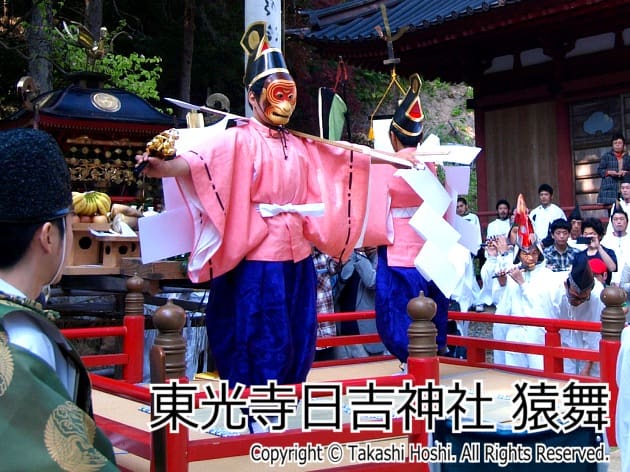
point(545, 263)
point(556, 270)
point(556, 281)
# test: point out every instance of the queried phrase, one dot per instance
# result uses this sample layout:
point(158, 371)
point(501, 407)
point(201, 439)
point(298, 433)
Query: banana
point(107, 202)
point(77, 202)
point(100, 207)
point(94, 205)
point(76, 196)
point(75, 207)
point(90, 200)
point(80, 207)
point(103, 203)
point(89, 203)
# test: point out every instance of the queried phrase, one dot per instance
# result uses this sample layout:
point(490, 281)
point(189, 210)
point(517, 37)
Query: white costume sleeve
point(591, 339)
point(622, 420)
point(24, 332)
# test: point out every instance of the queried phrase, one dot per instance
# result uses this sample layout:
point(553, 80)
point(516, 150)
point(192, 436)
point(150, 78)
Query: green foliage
point(457, 111)
point(370, 85)
point(434, 87)
point(133, 72)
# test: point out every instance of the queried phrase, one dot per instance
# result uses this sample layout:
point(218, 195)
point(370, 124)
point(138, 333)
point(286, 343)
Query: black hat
point(575, 214)
point(34, 182)
point(262, 60)
point(409, 118)
point(581, 276)
point(617, 209)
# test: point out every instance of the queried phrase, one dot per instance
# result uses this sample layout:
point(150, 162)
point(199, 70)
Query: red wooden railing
point(132, 356)
point(181, 451)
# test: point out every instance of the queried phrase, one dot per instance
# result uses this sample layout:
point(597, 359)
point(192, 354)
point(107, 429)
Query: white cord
point(60, 267)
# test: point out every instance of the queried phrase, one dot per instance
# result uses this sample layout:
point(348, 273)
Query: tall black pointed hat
point(581, 276)
point(575, 214)
point(409, 117)
point(617, 208)
point(262, 59)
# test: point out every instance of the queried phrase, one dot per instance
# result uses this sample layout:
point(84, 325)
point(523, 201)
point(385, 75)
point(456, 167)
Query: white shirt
point(621, 246)
point(543, 217)
point(590, 310)
point(624, 206)
point(474, 219)
point(498, 228)
point(25, 333)
point(534, 298)
point(491, 291)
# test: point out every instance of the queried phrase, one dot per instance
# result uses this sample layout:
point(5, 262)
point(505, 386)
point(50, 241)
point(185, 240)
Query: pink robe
point(392, 204)
point(388, 194)
point(251, 164)
point(261, 319)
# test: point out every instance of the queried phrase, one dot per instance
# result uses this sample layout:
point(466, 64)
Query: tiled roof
point(80, 103)
point(356, 20)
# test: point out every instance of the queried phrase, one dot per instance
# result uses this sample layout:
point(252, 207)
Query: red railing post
point(177, 450)
point(552, 364)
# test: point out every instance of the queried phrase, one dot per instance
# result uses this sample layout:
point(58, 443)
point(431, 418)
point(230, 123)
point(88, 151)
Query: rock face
point(445, 110)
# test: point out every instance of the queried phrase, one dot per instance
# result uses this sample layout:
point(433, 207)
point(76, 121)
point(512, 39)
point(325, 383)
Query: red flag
point(525, 237)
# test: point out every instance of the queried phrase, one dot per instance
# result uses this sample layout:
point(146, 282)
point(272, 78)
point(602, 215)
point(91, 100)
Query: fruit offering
point(91, 203)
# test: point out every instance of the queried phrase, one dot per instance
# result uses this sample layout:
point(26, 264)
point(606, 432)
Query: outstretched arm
point(159, 168)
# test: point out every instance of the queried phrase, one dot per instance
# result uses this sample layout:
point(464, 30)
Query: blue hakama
point(395, 286)
point(262, 323)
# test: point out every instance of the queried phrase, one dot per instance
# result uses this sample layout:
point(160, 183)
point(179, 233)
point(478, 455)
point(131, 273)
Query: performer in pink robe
point(392, 203)
point(260, 198)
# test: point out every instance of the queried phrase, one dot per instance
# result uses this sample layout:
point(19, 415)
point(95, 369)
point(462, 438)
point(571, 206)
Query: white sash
point(267, 210)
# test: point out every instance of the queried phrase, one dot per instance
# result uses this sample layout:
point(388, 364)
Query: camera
point(583, 240)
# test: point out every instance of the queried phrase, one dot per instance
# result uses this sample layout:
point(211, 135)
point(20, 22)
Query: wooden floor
point(495, 383)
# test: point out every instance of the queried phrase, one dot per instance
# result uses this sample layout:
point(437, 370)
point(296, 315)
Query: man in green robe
point(45, 394)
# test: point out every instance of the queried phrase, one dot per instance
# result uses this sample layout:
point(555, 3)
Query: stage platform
point(496, 384)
